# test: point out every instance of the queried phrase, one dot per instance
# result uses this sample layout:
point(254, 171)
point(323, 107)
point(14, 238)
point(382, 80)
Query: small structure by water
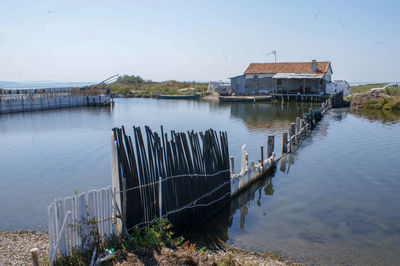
point(12, 101)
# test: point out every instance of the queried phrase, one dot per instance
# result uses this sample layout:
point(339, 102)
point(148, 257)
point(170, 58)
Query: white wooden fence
point(70, 219)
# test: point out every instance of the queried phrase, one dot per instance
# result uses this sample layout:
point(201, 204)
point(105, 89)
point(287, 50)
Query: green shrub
point(392, 91)
point(156, 236)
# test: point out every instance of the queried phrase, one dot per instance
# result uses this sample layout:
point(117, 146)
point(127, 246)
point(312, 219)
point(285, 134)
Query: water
point(334, 201)
point(53, 154)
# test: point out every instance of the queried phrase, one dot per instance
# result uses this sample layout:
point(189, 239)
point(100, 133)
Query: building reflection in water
point(268, 117)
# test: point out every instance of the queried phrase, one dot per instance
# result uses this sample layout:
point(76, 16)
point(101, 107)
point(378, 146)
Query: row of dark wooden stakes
point(189, 165)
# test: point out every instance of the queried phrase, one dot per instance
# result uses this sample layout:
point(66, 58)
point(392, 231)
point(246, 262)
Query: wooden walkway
point(299, 97)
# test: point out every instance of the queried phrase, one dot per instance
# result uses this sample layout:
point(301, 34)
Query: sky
point(79, 41)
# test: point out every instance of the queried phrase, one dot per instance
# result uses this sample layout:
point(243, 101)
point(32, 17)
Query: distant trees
point(127, 79)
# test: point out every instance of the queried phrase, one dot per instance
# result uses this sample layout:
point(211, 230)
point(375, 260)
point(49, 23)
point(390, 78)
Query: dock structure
point(13, 101)
point(297, 97)
point(251, 171)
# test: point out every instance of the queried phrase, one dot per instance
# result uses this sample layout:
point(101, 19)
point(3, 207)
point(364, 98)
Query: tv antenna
point(272, 53)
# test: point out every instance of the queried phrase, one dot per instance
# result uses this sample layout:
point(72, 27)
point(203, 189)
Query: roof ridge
point(291, 62)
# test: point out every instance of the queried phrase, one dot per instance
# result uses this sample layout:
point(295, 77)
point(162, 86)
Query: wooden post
point(302, 127)
point(262, 155)
point(270, 145)
point(232, 165)
point(292, 129)
point(298, 129)
point(284, 142)
point(160, 196)
point(35, 258)
point(124, 202)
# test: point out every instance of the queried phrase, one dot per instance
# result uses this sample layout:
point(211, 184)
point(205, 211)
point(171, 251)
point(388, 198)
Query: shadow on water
point(214, 232)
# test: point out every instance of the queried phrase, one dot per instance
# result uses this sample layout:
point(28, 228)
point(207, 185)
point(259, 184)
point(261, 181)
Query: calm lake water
point(334, 201)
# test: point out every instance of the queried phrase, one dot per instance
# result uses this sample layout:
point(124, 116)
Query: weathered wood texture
point(194, 171)
point(300, 129)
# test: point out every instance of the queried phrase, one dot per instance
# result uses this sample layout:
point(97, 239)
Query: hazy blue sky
point(194, 40)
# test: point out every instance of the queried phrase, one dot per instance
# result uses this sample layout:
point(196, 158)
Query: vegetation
point(392, 91)
point(154, 237)
point(135, 86)
point(366, 87)
point(384, 103)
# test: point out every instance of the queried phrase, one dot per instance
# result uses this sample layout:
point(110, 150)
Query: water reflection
point(323, 204)
point(214, 232)
point(385, 116)
point(271, 117)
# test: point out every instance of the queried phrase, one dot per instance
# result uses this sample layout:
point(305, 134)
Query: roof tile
point(299, 67)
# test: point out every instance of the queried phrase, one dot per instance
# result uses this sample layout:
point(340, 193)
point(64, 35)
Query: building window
point(255, 77)
point(279, 82)
point(321, 82)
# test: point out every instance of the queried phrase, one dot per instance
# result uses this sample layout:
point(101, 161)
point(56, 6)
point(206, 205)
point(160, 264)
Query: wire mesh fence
point(184, 177)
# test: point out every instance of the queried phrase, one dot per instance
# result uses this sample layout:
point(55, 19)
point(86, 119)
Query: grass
point(366, 87)
point(392, 91)
point(134, 86)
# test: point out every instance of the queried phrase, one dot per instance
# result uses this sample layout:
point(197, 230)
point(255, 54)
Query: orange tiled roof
point(272, 68)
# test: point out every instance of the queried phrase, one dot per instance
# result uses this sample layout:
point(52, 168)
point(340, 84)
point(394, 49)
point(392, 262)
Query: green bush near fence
point(156, 236)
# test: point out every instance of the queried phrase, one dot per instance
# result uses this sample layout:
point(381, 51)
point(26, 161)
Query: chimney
point(314, 66)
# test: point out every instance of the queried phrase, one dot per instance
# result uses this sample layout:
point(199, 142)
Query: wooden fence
point(301, 128)
point(77, 222)
point(38, 104)
point(185, 178)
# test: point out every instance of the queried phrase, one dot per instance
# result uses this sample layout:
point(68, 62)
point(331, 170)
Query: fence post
point(292, 133)
point(284, 142)
point(232, 165)
point(124, 202)
point(298, 129)
point(262, 155)
point(115, 179)
point(35, 258)
point(302, 127)
point(270, 146)
point(160, 196)
point(60, 236)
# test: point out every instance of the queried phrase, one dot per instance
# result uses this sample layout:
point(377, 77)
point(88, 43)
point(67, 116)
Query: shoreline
point(15, 249)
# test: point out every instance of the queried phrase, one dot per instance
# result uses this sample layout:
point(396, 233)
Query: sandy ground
point(15, 250)
point(15, 247)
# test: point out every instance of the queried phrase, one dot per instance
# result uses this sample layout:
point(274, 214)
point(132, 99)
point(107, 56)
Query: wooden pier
point(251, 171)
point(286, 97)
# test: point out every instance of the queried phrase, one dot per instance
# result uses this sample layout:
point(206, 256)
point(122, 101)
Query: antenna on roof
point(272, 53)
